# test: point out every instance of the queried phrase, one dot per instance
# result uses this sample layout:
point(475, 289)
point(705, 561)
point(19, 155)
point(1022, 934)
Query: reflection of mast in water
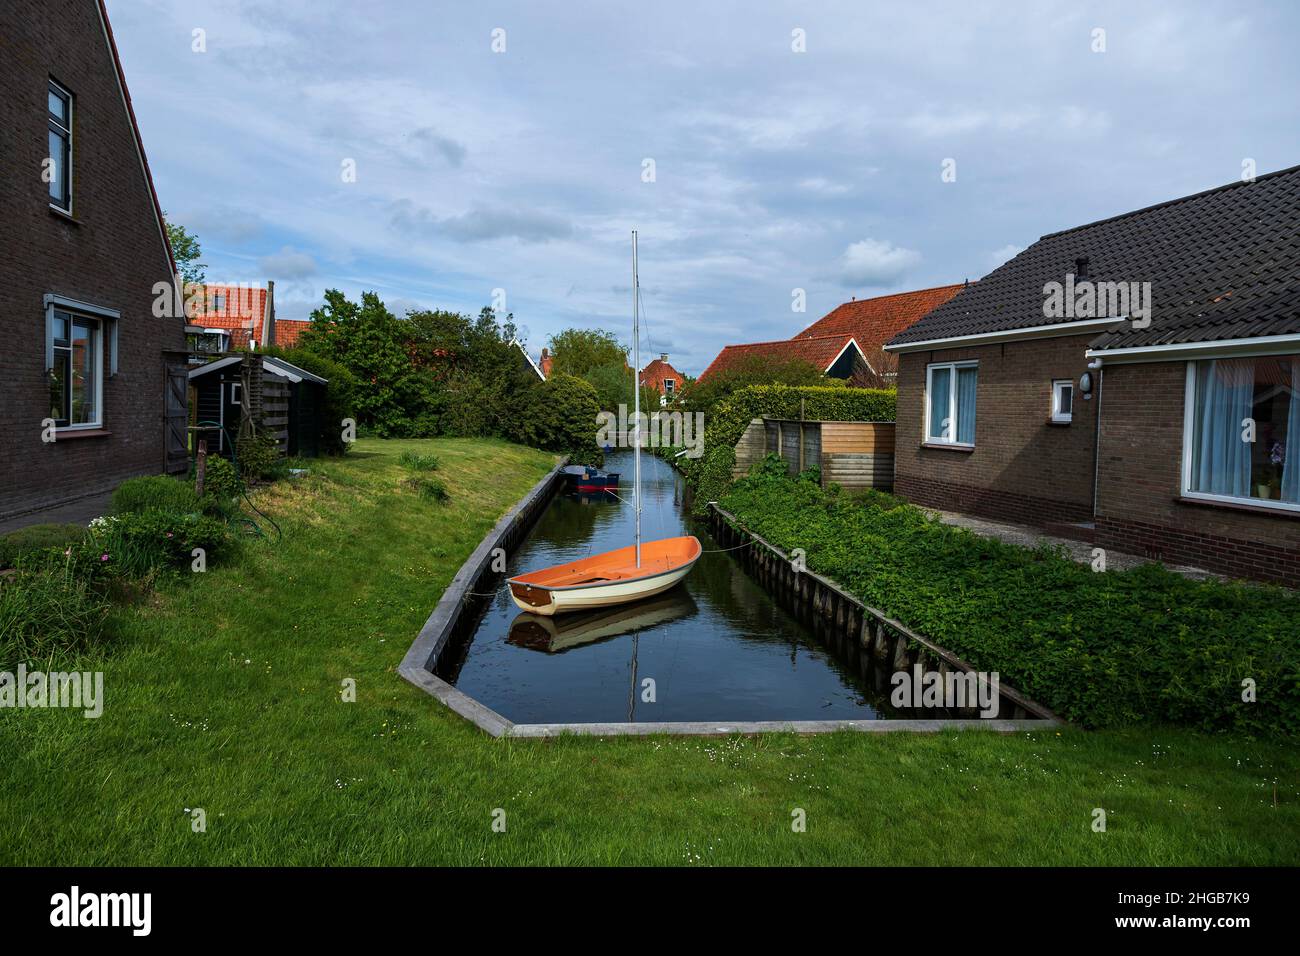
point(631, 691)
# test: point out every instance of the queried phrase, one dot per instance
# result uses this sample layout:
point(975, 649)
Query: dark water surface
point(717, 647)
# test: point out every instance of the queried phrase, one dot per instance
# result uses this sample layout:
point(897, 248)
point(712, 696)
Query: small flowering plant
point(138, 544)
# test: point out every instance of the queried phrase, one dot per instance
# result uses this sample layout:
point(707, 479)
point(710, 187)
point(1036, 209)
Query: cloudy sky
point(774, 169)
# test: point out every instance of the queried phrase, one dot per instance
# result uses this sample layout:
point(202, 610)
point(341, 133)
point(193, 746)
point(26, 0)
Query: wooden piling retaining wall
point(857, 632)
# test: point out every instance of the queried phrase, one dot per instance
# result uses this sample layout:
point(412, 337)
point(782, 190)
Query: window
point(669, 385)
point(75, 376)
point(235, 393)
point(1241, 434)
point(950, 403)
point(1063, 400)
point(59, 171)
point(219, 302)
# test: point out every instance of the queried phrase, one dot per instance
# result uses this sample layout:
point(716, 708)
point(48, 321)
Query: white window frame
point(669, 385)
point(1058, 416)
point(1189, 429)
point(926, 437)
point(67, 173)
point(236, 393)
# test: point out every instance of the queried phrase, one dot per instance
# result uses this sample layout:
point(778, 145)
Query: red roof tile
point(653, 375)
point(820, 350)
point(873, 322)
point(241, 309)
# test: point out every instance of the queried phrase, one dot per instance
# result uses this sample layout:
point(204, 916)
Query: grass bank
point(223, 693)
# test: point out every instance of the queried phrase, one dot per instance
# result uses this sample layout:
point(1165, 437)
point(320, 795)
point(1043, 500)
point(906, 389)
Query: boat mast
point(636, 401)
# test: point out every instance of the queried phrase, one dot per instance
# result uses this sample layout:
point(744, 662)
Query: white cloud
point(875, 262)
point(287, 264)
point(1006, 253)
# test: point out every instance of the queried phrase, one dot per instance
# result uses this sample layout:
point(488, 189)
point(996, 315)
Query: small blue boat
point(588, 479)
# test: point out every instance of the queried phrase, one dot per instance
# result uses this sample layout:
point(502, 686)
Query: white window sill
point(1269, 506)
point(947, 446)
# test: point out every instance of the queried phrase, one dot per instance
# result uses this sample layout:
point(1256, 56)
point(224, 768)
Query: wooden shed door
point(178, 417)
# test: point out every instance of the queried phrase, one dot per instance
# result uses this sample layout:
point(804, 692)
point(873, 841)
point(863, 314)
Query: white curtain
point(1225, 391)
point(966, 379)
point(1291, 465)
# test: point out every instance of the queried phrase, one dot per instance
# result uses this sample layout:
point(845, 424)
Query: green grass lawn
point(224, 694)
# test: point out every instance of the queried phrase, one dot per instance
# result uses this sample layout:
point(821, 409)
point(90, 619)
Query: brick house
point(848, 342)
point(84, 259)
point(662, 378)
point(236, 317)
point(1161, 418)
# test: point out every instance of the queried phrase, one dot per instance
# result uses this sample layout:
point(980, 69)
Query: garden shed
point(276, 395)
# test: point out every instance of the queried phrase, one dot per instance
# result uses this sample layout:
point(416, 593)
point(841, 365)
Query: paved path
point(1029, 537)
point(76, 512)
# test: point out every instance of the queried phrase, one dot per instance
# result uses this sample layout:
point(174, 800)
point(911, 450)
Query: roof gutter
point(1226, 348)
point(1009, 335)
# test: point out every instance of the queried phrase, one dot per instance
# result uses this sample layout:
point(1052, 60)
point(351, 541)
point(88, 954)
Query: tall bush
point(560, 415)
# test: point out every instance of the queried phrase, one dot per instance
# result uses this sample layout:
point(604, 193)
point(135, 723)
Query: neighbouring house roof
point(873, 322)
point(653, 375)
point(531, 364)
point(241, 311)
point(818, 350)
point(869, 322)
point(546, 362)
point(1223, 265)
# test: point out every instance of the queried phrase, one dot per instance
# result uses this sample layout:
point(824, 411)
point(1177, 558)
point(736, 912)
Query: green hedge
point(710, 474)
point(154, 491)
point(1102, 649)
point(37, 538)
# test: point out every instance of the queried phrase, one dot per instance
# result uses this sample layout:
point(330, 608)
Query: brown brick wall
point(1022, 468)
point(1141, 480)
point(112, 257)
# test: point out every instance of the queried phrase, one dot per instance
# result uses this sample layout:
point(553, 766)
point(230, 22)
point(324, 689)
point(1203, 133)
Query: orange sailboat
point(615, 577)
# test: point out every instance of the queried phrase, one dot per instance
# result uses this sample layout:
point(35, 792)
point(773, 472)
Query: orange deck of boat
point(656, 558)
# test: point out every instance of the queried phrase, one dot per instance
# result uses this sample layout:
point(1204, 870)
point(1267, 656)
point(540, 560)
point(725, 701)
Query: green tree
point(596, 357)
point(370, 342)
point(186, 251)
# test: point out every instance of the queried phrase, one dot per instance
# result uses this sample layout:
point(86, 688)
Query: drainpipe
point(1096, 366)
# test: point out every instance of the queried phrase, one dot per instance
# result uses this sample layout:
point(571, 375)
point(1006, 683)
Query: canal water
point(716, 647)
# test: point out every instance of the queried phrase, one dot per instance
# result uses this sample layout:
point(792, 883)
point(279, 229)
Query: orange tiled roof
point(653, 375)
point(869, 322)
point(241, 310)
point(873, 322)
point(819, 350)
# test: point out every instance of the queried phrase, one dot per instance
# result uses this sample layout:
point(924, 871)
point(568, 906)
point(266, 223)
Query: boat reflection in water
point(556, 634)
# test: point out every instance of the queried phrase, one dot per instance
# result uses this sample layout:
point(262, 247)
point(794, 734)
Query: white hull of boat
point(595, 596)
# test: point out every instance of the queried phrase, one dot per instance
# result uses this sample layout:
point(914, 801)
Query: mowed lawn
point(223, 693)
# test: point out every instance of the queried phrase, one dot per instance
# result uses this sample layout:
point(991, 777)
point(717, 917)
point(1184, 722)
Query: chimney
point(544, 352)
point(663, 357)
point(268, 321)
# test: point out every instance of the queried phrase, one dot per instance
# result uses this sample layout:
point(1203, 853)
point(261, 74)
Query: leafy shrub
point(154, 491)
point(417, 461)
point(220, 480)
point(257, 456)
point(431, 489)
point(1102, 649)
point(711, 472)
point(560, 415)
point(18, 545)
point(47, 611)
point(135, 545)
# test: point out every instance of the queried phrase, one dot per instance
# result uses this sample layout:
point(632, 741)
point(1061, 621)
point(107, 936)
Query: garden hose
point(248, 522)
